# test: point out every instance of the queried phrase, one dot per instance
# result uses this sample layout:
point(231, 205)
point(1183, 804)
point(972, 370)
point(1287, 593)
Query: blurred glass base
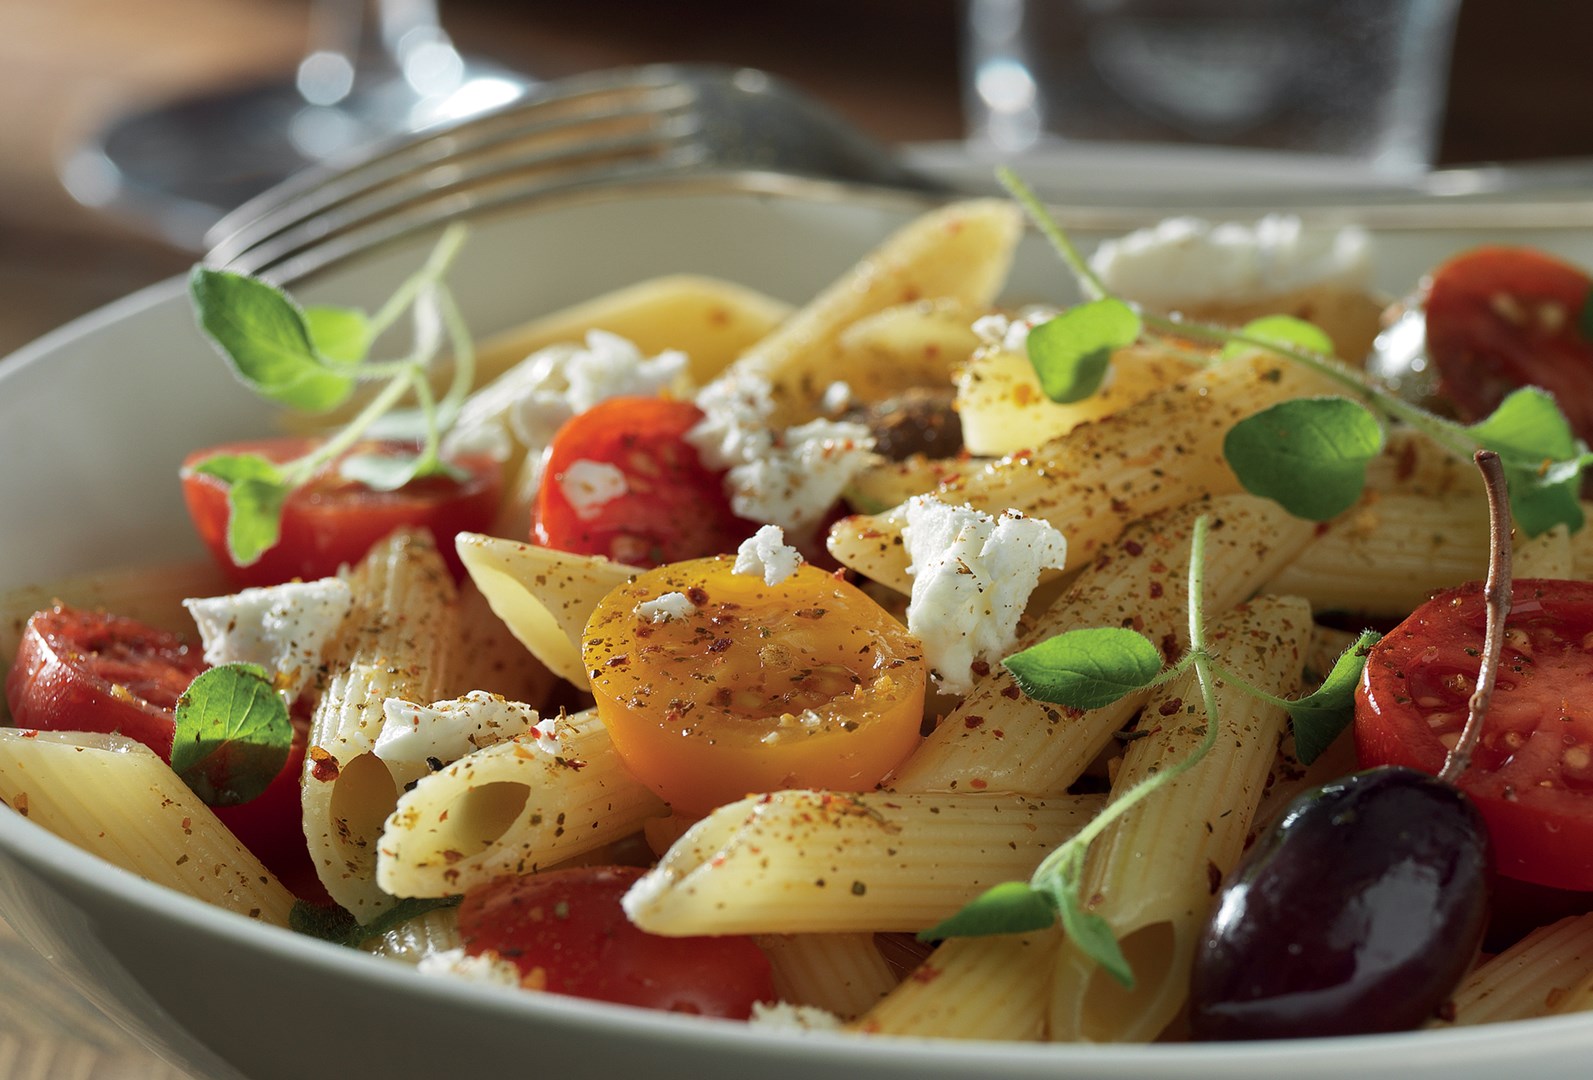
point(1350, 80)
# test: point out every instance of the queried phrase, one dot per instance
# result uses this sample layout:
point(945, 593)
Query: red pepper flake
point(925, 973)
point(719, 645)
point(1171, 706)
point(1011, 691)
point(325, 768)
point(617, 661)
point(697, 595)
point(20, 803)
point(1133, 547)
point(978, 783)
point(980, 668)
point(1156, 590)
point(971, 722)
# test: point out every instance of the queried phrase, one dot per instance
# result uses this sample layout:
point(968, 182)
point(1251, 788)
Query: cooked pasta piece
point(999, 739)
point(395, 644)
point(512, 808)
point(1091, 483)
point(973, 988)
point(840, 973)
point(1540, 975)
point(543, 595)
point(959, 252)
point(487, 656)
point(113, 797)
point(1153, 873)
point(821, 862)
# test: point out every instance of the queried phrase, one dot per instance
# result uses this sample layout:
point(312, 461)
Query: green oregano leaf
point(1013, 907)
point(1088, 668)
point(264, 337)
point(1320, 717)
point(341, 335)
point(336, 924)
point(1283, 330)
point(1541, 459)
point(254, 518)
point(232, 734)
point(1309, 455)
point(1072, 351)
point(1093, 936)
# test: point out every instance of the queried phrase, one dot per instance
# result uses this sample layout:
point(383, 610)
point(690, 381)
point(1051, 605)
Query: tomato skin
point(1499, 318)
point(567, 933)
point(1532, 773)
point(89, 671)
point(804, 684)
point(673, 507)
point(332, 522)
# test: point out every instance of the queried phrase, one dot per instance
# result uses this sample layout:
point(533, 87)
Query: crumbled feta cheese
point(448, 730)
point(552, 385)
point(972, 576)
point(1187, 260)
point(1011, 334)
point(671, 605)
point(283, 628)
point(784, 1016)
point(765, 554)
point(488, 969)
point(788, 478)
point(837, 398)
point(591, 485)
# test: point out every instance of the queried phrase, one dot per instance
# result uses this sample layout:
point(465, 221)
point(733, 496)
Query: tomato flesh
point(1532, 771)
point(804, 684)
point(567, 933)
point(332, 521)
point(1499, 318)
point(662, 504)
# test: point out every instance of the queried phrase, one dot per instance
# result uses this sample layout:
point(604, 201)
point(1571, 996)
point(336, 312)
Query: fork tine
point(574, 118)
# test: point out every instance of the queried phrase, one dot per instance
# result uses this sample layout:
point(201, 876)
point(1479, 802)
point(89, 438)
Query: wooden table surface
point(1519, 86)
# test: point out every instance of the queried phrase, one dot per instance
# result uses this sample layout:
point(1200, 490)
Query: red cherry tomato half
point(1499, 318)
point(332, 521)
point(1532, 772)
point(640, 493)
point(89, 671)
point(566, 932)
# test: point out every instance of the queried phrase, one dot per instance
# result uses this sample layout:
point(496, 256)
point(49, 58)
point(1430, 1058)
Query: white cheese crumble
point(446, 731)
point(765, 554)
point(591, 485)
point(1011, 334)
point(671, 605)
point(788, 478)
point(784, 1016)
point(972, 576)
point(1186, 260)
point(550, 386)
point(488, 969)
point(282, 628)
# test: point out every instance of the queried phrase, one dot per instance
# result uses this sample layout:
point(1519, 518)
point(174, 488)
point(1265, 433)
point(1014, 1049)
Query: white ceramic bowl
point(93, 421)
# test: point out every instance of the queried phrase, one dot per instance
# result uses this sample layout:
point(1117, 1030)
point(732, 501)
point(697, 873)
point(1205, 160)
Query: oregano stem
point(1496, 596)
point(1089, 281)
point(442, 256)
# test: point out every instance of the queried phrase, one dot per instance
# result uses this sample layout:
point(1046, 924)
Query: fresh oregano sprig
point(1091, 668)
point(313, 359)
point(1310, 455)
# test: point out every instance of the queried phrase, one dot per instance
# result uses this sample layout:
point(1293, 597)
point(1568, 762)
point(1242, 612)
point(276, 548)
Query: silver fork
point(594, 130)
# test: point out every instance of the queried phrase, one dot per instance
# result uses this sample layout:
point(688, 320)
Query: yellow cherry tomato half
point(748, 687)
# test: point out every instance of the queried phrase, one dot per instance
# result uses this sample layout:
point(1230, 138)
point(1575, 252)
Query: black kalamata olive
point(920, 420)
point(1357, 912)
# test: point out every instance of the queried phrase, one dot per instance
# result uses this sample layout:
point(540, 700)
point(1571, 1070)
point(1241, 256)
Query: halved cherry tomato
point(332, 521)
point(1532, 772)
point(1499, 318)
point(661, 505)
point(808, 683)
point(566, 932)
point(81, 670)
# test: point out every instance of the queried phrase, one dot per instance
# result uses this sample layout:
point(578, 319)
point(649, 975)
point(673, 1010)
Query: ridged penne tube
point(511, 808)
point(999, 739)
point(1004, 410)
point(1153, 873)
point(1350, 316)
point(973, 988)
point(1158, 453)
point(960, 252)
point(1537, 976)
point(487, 656)
point(544, 596)
point(820, 862)
point(840, 973)
point(1390, 554)
point(1413, 464)
point(113, 797)
point(395, 644)
point(414, 939)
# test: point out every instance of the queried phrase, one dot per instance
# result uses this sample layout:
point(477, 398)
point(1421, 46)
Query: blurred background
point(1518, 87)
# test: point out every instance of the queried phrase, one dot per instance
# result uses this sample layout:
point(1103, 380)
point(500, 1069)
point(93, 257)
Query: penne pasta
point(822, 862)
point(843, 974)
point(1546, 972)
point(112, 797)
point(973, 988)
